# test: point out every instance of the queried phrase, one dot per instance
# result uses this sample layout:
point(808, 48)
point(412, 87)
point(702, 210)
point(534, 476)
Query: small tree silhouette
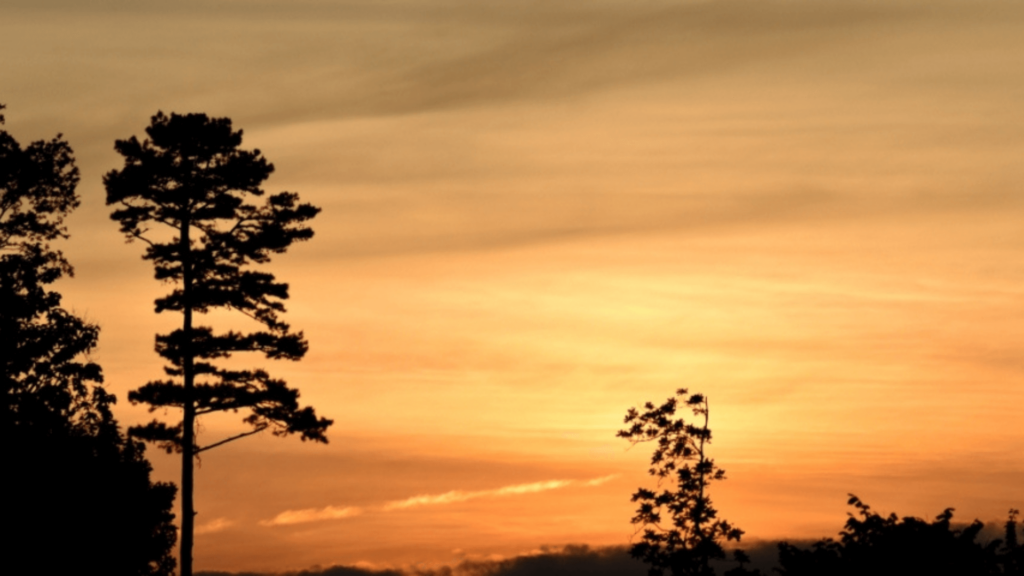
point(681, 529)
point(77, 493)
point(191, 180)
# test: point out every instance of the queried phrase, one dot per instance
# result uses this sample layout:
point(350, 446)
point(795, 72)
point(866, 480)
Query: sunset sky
point(537, 214)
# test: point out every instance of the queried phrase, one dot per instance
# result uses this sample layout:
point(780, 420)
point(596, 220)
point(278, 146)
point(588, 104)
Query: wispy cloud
point(215, 525)
point(450, 497)
point(601, 480)
point(515, 489)
point(461, 496)
point(312, 515)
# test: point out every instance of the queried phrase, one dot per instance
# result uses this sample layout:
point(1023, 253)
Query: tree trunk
point(701, 502)
point(188, 419)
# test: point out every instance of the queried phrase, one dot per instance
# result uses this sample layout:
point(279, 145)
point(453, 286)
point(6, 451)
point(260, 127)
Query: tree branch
point(231, 439)
point(139, 236)
point(212, 410)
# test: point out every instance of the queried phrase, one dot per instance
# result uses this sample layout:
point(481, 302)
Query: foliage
point(888, 545)
point(75, 483)
point(1011, 553)
point(681, 529)
point(186, 192)
point(42, 343)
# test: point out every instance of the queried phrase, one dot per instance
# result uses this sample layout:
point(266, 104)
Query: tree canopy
point(73, 482)
point(188, 192)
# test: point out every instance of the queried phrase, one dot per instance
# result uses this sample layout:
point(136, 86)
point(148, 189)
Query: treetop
point(37, 190)
point(192, 171)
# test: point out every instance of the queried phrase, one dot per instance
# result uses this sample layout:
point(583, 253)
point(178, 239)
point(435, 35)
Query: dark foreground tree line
point(571, 560)
point(77, 492)
point(681, 533)
point(78, 496)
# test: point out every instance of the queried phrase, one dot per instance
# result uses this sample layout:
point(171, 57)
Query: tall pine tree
point(187, 191)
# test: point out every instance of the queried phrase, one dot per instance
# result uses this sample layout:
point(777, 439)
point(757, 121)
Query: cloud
point(506, 51)
point(215, 525)
point(461, 496)
point(333, 513)
point(515, 489)
point(374, 129)
point(311, 515)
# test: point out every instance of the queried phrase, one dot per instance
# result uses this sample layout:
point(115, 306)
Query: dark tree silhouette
point(185, 191)
point(78, 496)
point(681, 529)
point(1012, 552)
point(890, 546)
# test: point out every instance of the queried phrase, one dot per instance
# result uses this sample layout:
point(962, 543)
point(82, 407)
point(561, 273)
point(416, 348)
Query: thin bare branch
point(231, 439)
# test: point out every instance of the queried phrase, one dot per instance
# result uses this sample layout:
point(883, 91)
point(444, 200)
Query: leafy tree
point(888, 545)
point(186, 191)
point(681, 529)
point(74, 483)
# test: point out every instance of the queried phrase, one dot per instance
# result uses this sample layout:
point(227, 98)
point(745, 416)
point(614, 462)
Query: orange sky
point(537, 214)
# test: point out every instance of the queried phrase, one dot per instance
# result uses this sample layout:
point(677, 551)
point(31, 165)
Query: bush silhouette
point(889, 545)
